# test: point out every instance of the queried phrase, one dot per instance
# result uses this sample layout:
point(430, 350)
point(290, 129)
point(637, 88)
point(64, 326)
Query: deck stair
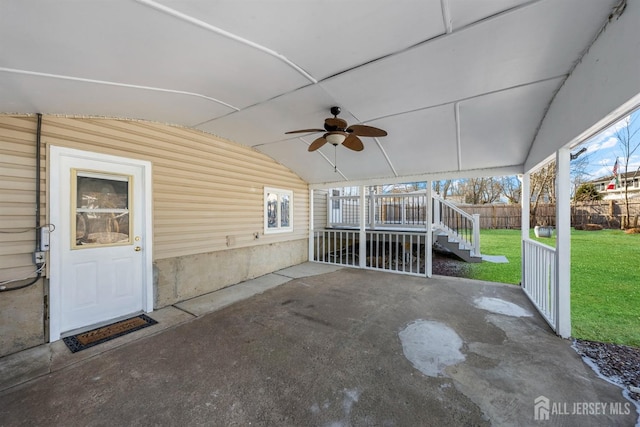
point(456, 231)
point(452, 244)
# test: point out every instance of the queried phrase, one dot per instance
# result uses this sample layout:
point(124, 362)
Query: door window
point(101, 204)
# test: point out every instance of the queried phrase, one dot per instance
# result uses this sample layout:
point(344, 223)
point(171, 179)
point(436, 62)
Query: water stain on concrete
point(431, 346)
point(350, 397)
point(500, 306)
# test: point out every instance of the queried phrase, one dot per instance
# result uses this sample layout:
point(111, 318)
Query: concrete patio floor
point(312, 346)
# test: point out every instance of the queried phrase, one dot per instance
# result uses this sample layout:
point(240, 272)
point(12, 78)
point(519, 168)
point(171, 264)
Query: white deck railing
point(340, 247)
point(539, 279)
point(406, 211)
point(395, 228)
point(397, 251)
point(343, 211)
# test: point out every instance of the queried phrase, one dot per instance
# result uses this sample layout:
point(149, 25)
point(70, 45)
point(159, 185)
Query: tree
point(579, 169)
point(587, 192)
point(511, 188)
point(543, 189)
point(442, 187)
point(479, 191)
point(629, 142)
point(543, 183)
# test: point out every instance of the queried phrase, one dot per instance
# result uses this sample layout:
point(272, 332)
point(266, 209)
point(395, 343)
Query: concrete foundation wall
point(181, 278)
point(22, 319)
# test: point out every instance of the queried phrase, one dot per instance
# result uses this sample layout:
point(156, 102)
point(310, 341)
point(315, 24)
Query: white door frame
point(54, 156)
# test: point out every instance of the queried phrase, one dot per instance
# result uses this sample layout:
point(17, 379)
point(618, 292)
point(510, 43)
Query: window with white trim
point(278, 210)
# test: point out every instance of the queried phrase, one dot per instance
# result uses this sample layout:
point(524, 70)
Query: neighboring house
point(632, 179)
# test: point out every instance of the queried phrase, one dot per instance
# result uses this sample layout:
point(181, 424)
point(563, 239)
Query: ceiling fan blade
point(353, 143)
point(334, 124)
point(304, 131)
point(362, 130)
point(317, 143)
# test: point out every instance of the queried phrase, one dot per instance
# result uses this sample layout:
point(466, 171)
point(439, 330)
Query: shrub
point(592, 227)
point(588, 227)
point(587, 192)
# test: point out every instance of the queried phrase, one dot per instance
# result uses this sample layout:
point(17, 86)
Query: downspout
point(38, 135)
point(38, 242)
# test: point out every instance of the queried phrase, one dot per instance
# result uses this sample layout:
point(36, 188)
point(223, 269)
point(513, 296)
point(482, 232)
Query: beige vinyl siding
point(17, 196)
point(320, 209)
point(206, 191)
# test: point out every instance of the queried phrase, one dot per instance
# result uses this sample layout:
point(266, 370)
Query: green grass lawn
point(605, 280)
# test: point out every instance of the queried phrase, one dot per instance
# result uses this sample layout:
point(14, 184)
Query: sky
point(603, 149)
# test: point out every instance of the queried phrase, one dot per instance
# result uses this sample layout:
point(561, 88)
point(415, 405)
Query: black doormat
point(106, 333)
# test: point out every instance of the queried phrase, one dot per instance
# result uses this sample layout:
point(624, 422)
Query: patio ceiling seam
point(382, 150)
point(433, 39)
point(446, 16)
point(386, 156)
point(499, 14)
point(326, 158)
point(469, 98)
point(456, 108)
point(280, 95)
point(117, 84)
point(197, 22)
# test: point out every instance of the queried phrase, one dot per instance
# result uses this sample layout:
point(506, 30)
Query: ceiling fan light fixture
point(336, 138)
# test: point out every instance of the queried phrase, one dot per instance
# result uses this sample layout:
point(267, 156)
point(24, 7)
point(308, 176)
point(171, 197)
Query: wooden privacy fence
point(607, 213)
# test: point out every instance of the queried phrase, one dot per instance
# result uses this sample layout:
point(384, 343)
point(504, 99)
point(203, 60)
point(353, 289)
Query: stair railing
point(459, 225)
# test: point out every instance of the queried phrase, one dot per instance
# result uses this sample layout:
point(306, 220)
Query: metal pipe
point(37, 210)
point(38, 136)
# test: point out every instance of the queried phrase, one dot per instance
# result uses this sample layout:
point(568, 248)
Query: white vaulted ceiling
point(460, 85)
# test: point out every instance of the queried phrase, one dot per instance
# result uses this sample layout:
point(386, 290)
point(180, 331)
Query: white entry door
point(100, 248)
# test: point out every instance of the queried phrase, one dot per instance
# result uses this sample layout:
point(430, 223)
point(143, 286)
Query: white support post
point(362, 254)
point(311, 226)
point(428, 246)
point(563, 242)
point(329, 211)
point(526, 206)
point(436, 210)
point(524, 221)
point(372, 210)
point(476, 234)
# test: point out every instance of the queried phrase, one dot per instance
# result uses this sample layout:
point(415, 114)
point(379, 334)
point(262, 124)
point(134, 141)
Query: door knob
point(137, 248)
